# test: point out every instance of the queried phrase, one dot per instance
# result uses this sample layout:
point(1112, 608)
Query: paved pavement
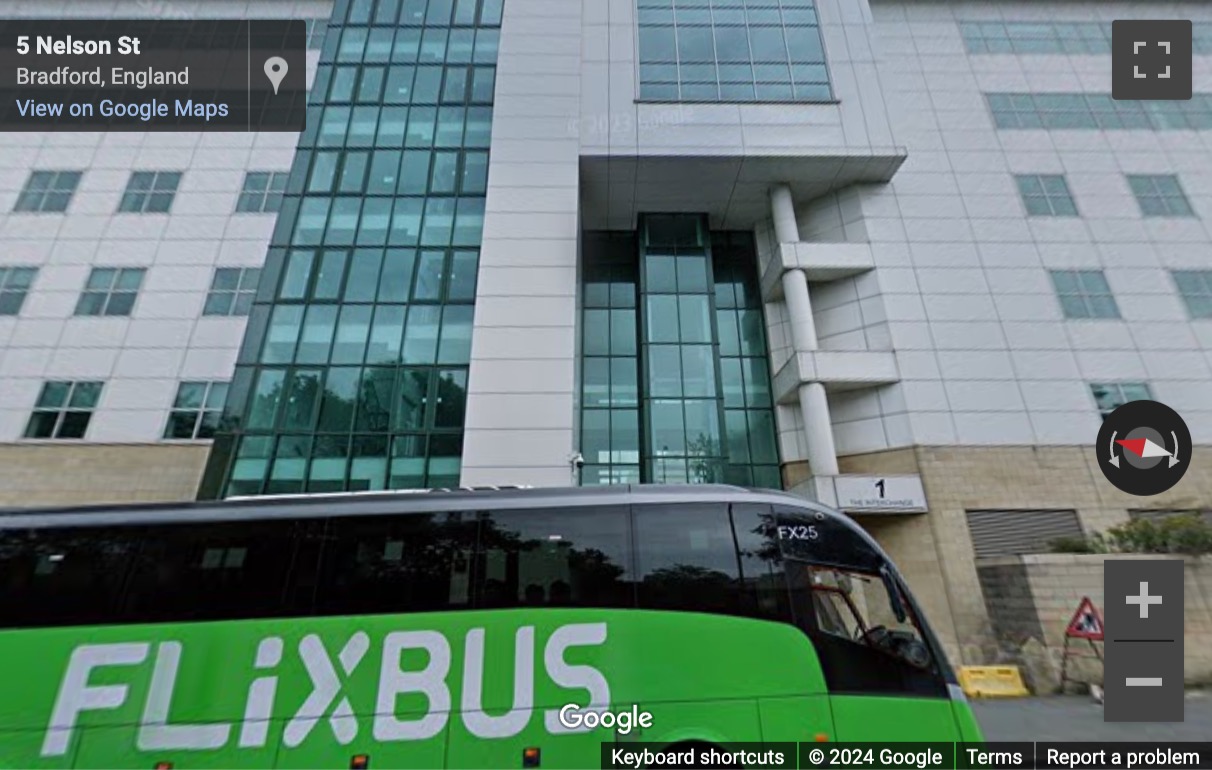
point(1079, 718)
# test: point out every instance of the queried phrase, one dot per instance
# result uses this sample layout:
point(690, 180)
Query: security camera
point(577, 460)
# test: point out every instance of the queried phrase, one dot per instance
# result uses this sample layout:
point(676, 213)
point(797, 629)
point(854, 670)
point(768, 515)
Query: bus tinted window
point(822, 540)
point(554, 558)
point(686, 558)
point(213, 571)
point(62, 576)
point(383, 564)
point(765, 590)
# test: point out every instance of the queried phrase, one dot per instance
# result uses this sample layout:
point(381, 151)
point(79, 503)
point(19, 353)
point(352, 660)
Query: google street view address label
point(152, 75)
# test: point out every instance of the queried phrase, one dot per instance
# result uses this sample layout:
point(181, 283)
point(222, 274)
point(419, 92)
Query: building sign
point(880, 494)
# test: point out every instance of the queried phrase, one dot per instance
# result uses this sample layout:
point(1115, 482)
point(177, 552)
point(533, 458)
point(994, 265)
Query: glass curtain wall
point(749, 427)
point(353, 371)
point(680, 383)
point(675, 367)
point(731, 51)
point(610, 416)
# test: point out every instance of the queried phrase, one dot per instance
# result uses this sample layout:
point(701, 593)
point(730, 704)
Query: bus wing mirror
point(894, 595)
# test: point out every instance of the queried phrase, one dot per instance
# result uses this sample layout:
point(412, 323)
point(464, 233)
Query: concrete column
point(799, 310)
point(822, 453)
point(783, 206)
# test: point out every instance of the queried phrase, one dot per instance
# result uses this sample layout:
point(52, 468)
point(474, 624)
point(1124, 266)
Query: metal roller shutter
point(1014, 532)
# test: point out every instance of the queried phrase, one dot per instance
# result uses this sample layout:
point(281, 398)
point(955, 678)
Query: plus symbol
point(1144, 600)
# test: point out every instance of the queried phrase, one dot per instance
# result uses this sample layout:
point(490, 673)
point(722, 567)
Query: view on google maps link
point(586, 384)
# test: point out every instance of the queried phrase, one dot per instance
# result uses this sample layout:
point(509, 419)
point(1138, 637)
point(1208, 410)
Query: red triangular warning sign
point(1087, 623)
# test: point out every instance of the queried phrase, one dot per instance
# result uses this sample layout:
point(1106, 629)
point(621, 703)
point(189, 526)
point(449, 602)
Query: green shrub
point(1137, 536)
point(1187, 534)
point(1086, 544)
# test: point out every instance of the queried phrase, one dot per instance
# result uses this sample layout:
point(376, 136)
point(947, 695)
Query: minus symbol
point(1143, 681)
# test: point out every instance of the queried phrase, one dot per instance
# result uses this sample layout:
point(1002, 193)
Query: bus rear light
point(531, 757)
point(164, 766)
point(821, 738)
point(359, 762)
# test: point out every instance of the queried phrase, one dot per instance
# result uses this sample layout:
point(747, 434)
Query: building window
point(690, 52)
point(1084, 294)
point(1159, 195)
point(750, 436)
point(679, 382)
point(15, 283)
point(1063, 111)
point(680, 335)
point(63, 409)
point(1036, 37)
point(48, 191)
point(262, 192)
point(150, 192)
point(197, 410)
point(1195, 286)
point(1109, 396)
point(110, 291)
point(232, 291)
point(316, 29)
point(223, 558)
point(1046, 195)
point(1042, 37)
point(610, 400)
point(354, 373)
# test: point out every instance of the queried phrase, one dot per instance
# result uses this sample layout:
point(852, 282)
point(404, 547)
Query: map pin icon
point(275, 70)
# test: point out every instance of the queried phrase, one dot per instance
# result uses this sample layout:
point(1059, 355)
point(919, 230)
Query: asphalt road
point(1078, 718)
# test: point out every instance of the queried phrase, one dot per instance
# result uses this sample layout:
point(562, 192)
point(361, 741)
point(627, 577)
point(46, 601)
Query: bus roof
point(392, 502)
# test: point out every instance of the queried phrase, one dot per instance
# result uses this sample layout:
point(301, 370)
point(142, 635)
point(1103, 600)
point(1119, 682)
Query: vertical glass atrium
point(675, 383)
point(353, 371)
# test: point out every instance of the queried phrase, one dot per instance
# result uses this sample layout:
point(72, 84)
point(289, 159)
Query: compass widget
point(1144, 448)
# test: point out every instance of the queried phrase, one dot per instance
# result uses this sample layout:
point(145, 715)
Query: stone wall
point(1007, 591)
point(1053, 586)
point(46, 474)
point(934, 550)
point(912, 543)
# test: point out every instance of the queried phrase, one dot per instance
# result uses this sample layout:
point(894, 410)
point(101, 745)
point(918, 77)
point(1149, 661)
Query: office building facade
point(854, 250)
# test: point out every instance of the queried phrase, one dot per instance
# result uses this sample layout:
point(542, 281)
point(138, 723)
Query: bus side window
point(686, 559)
point(70, 576)
point(220, 570)
point(762, 572)
point(390, 564)
point(554, 558)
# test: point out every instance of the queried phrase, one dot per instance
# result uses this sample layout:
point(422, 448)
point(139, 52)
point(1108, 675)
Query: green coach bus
point(455, 628)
